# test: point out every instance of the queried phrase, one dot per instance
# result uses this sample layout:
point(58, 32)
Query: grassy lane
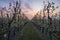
point(29, 33)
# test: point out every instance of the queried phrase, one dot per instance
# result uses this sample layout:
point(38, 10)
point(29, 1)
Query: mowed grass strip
point(29, 33)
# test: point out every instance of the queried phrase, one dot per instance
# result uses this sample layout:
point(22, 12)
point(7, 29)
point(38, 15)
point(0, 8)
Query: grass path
point(29, 33)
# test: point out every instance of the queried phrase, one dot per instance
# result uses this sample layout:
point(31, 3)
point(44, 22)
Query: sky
point(34, 4)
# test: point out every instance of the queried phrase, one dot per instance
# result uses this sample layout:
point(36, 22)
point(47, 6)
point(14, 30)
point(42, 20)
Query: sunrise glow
point(29, 7)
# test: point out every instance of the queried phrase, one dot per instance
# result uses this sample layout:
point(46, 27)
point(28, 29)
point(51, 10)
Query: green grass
point(29, 33)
